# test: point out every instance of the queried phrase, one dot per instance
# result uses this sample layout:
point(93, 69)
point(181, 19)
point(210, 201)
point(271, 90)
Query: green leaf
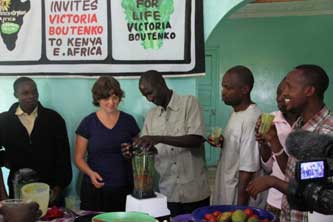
point(10, 28)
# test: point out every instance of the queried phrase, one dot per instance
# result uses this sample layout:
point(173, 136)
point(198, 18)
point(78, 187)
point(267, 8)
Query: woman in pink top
point(274, 162)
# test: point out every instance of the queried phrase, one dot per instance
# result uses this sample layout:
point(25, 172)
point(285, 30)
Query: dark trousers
point(186, 208)
point(106, 199)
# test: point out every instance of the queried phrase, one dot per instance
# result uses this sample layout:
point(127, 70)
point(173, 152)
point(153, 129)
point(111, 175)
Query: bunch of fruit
point(53, 213)
point(246, 215)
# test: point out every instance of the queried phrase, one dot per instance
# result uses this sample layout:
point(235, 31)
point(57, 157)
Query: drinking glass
point(72, 203)
point(215, 134)
point(13, 202)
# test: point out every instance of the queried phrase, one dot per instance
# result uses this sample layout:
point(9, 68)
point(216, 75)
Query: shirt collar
point(173, 103)
point(20, 112)
point(278, 117)
point(314, 121)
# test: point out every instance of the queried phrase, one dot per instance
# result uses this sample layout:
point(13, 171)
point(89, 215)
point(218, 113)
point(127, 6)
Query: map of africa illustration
point(12, 13)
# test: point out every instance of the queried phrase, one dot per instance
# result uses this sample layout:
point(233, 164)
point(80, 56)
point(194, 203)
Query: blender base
point(155, 207)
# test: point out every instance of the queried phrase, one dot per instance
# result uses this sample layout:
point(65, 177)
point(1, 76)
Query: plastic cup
point(72, 203)
point(37, 192)
point(215, 134)
point(266, 122)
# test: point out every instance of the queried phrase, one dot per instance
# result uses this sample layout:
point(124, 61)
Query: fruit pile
point(53, 213)
point(246, 215)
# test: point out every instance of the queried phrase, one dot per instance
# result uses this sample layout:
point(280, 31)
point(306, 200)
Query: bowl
point(183, 218)
point(123, 217)
point(199, 213)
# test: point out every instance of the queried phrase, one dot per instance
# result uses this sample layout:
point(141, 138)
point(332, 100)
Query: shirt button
point(175, 163)
point(172, 149)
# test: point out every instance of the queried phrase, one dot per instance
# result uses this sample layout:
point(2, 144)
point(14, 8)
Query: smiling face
point(109, 104)
point(106, 90)
point(232, 91)
point(27, 95)
point(296, 91)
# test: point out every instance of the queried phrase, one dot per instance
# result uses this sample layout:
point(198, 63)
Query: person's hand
point(271, 136)
point(28, 212)
point(259, 185)
point(211, 141)
point(54, 195)
point(146, 142)
point(96, 180)
point(126, 150)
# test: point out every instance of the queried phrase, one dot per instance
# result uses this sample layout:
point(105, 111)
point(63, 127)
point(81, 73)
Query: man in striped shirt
point(304, 93)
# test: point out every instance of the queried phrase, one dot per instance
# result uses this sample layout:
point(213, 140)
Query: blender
point(22, 177)
point(143, 198)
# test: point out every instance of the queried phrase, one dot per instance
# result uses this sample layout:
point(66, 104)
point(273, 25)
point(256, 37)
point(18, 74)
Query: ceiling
point(279, 8)
point(270, 1)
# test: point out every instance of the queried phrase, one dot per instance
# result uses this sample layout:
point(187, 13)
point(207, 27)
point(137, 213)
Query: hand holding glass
point(215, 134)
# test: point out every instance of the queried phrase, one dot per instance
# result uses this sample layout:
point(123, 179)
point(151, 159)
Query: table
point(70, 217)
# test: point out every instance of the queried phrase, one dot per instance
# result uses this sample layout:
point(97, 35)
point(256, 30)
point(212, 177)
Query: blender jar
point(143, 172)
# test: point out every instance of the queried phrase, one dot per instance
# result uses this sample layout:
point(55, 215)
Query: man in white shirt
point(239, 160)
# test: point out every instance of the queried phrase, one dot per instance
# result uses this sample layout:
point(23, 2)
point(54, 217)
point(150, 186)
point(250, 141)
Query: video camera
point(312, 187)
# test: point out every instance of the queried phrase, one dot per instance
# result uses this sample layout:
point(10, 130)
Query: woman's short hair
point(104, 87)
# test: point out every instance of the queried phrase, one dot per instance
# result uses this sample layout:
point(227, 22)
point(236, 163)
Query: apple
point(209, 217)
point(216, 213)
point(249, 212)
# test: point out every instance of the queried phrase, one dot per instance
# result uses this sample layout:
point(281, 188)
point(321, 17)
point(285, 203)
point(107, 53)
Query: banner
point(101, 37)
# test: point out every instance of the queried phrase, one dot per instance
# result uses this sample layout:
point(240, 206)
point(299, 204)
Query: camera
point(312, 188)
